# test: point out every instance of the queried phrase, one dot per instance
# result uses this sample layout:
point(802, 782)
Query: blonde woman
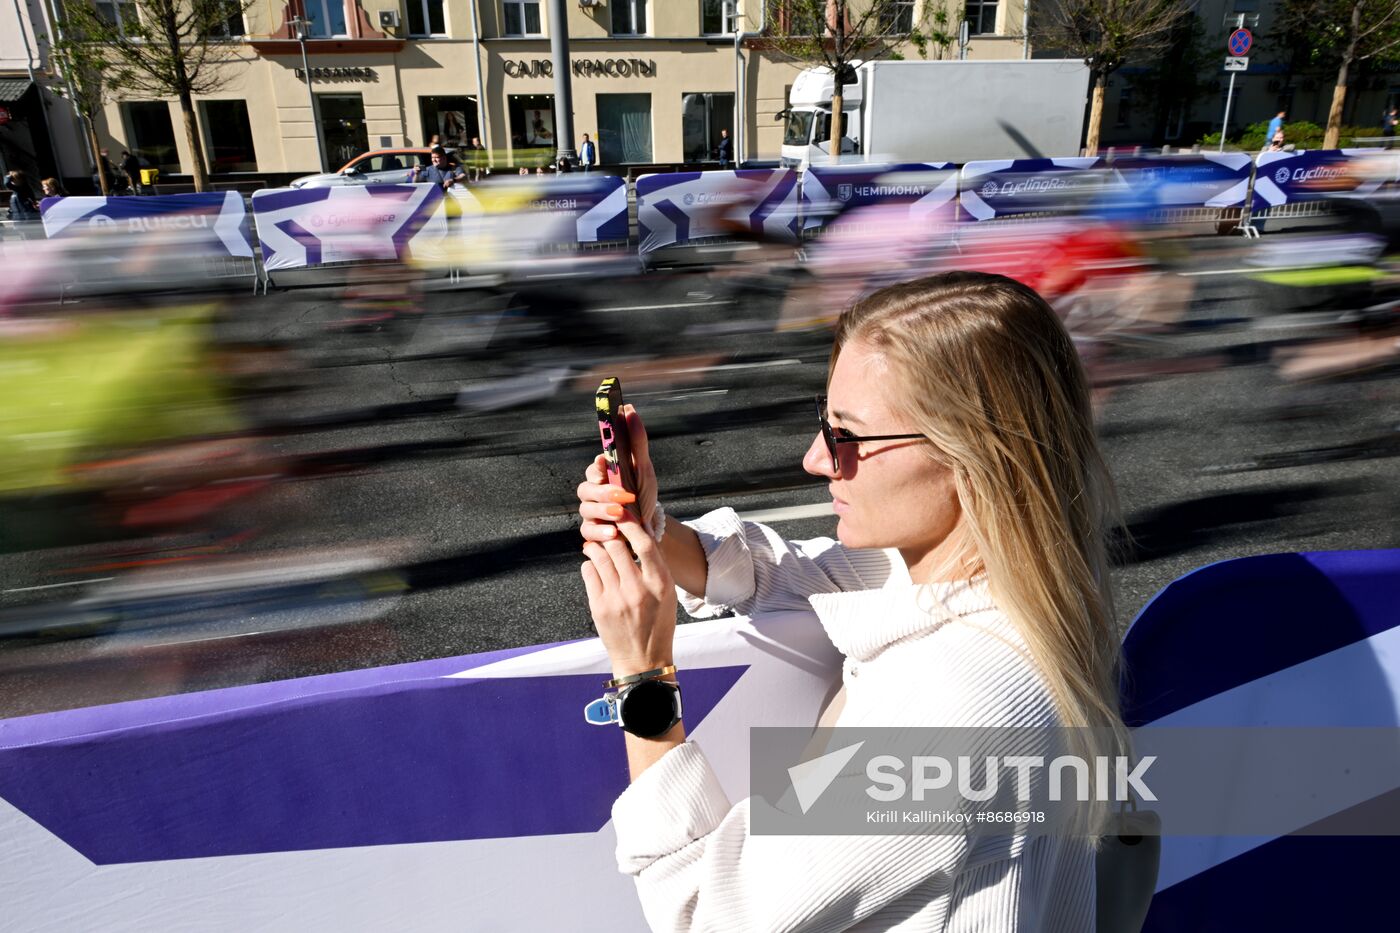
point(965, 588)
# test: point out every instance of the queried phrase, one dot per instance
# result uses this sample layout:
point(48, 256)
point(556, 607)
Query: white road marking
point(683, 304)
point(723, 366)
point(1252, 270)
point(50, 586)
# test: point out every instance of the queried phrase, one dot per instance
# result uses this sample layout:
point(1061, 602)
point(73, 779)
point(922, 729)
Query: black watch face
point(649, 709)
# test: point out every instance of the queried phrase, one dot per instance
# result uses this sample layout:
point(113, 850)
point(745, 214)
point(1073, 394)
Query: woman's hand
point(600, 503)
point(633, 603)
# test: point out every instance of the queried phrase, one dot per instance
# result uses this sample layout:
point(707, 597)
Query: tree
point(1105, 34)
point(161, 48)
point(86, 88)
point(1348, 32)
point(836, 33)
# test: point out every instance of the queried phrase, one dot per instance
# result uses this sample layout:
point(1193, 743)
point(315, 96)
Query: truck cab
point(807, 128)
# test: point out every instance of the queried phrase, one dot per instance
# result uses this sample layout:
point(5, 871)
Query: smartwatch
point(646, 709)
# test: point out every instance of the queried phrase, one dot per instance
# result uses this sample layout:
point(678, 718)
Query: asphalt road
point(425, 506)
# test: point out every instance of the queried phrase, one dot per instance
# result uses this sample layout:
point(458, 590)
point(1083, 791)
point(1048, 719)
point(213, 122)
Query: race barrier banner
point(301, 227)
point(1290, 177)
point(678, 208)
point(423, 796)
point(470, 789)
point(1008, 187)
point(598, 202)
point(1167, 182)
point(215, 222)
point(1285, 640)
point(827, 191)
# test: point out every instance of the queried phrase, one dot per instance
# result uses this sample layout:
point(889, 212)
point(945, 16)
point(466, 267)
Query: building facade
point(653, 82)
point(28, 137)
point(1139, 111)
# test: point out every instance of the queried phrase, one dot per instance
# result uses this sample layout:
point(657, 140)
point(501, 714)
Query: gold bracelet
point(657, 674)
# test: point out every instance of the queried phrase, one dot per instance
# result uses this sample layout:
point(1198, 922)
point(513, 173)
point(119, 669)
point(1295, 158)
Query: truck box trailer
point(957, 111)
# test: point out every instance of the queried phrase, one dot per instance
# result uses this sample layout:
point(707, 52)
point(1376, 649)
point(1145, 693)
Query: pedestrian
point(23, 206)
point(967, 586)
point(131, 165)
point(108, 174)
point(1276, 144)
point(442, 172)
point(52, 188)
point(1388, 123)
point(1275, 125)
point(476, 159)
point(725, 150)
point(587, 154)
point(564, 166)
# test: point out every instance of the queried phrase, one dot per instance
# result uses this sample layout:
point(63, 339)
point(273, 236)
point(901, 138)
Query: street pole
point(482, 123)
point(1225, 124)
point(300, 24)
point(1230, 94)
point(1026, 29)
point(563, 81)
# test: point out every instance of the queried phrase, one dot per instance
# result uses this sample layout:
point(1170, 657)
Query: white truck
point(958, 111)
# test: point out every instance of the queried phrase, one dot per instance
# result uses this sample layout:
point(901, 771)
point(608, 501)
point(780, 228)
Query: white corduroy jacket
point(915, 656)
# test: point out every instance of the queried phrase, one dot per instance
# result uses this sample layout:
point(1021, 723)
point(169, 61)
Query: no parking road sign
point(1239, 42)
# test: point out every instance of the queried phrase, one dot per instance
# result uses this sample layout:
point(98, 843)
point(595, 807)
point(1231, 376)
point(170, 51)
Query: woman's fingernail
point(622, 495)
point(615, 511)
point(609, 532)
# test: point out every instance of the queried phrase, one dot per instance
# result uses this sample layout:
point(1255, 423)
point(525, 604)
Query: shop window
point(151, 135)
point(712, 18)
point(897, 18)
point(452, 119)
point(425, 18)
point(629, 17)
point(702, 117)
point(532, 128)
point(231, 26)
point(981, 17)
point(799, 19)
point(342, 127)
point(624, 128)
point(522, 17)
point(120, 13)
point(325, 18)
point(1176, 121)
point(228, 136)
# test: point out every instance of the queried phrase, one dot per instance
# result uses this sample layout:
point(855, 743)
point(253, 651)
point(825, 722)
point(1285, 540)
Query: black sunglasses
point(829, 435)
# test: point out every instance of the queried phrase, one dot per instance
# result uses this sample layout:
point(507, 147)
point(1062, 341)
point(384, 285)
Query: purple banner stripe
point(427, 760)
point(1243, 893)
point(1231, 623)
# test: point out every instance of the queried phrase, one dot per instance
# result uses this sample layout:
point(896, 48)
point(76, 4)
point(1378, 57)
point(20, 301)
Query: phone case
point(617, 447)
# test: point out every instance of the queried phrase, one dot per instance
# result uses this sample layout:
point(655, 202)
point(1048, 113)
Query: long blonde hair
point(989, 374)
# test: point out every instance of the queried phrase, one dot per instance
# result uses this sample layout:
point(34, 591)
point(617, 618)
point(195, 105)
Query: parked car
point(377, 167)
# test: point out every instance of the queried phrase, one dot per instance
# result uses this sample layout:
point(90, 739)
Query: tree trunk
point(1339, 93)
point(96, 156)
point(838, 125)
point(1333, 136)
point(200, 175)
point(1091, 136)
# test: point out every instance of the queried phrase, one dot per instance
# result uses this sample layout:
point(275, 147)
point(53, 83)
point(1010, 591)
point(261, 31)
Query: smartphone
point(617, 447)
